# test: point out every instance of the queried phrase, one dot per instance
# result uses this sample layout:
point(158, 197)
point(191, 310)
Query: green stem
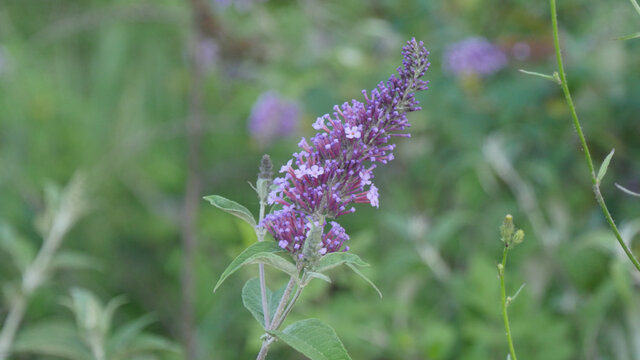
point(503, 294)
point(296, 295)
point(268, 339)
point(583, 142)
point(635, 5)
point(260, 233)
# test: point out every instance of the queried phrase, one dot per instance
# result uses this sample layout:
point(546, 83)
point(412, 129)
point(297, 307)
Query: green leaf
point(553, 78)
point(72, 260)
point(314, 339)
point(87, 308)
point(52, 338)
point(21, 251)
point(252, 299)
point(274, 299)
point(232, 208)
point(126, 334)
point(605, 165)
point(318, 275)
point(259, 253)
point(332, 260)
point(355, 270)
point(146, 344)
point(276, 261)
point(630, 36)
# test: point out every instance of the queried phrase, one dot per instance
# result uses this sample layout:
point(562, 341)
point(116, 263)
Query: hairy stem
point(279, 316)
point(503, 295)
point(260, 233)
point(287, 310)
point(583, 142)
point(265, 347)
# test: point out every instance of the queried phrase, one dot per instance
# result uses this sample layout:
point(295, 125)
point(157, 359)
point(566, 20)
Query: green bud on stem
point(265, 178)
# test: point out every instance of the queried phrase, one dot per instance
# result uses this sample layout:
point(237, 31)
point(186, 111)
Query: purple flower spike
point(474, 56)
point(334, 168)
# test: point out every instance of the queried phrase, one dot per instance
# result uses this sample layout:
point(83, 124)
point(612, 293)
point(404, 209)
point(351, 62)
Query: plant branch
point(193, 188)
point(277, 319)
point(583, 142)
point(635, 5)
point(287, 310)
point(71, 208)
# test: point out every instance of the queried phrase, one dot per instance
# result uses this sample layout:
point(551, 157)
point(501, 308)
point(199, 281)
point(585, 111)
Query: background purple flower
point(474, 56)
point(208, 53)
point(242, 5)
point(272, 117)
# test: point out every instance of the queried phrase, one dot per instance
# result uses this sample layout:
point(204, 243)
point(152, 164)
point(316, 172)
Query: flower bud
point(518, 237)
point(507, 229)
point(311, 250)
point(265, 178)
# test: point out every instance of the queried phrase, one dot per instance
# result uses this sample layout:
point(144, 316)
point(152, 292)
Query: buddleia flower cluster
point(334, 169)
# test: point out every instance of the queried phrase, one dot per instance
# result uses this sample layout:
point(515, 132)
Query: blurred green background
point(113, 87)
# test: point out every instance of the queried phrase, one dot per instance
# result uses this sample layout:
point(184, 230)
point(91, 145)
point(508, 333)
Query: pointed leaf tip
point(553, 78)
point(334, 259)
point(630, 36)
point(232, 208)
point(625, 190)
point(365, 278)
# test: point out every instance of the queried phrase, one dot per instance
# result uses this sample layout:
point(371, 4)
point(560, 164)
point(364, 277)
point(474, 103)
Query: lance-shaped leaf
point(555, 77)
point(355, 270)
point(315, 339)
point(334, 259)
point(605, 165)
point(630, 36)
point(259, 253)
point(52, 338)
point(317, 275)
point(19, 249)
point(232, 208)
point(252, 299)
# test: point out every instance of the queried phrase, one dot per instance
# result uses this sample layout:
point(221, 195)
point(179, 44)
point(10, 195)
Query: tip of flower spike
point(333, 166)
point(266, 168)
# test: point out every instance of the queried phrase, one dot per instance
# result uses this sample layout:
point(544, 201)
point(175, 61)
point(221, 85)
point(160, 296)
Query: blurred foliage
point(90, 337)
point(104, 86)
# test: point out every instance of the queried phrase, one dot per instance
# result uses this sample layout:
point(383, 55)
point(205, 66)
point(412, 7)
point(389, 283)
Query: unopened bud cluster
point(509, 235)
point(265, 178)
